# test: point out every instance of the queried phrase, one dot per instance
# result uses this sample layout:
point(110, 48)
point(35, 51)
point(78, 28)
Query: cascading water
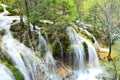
point(32, 67)
point(9, 45)
point(5, 73)
point(85, 70)
point(48, 58)
point(24, 58)
point(76, 44)
point(5, 11)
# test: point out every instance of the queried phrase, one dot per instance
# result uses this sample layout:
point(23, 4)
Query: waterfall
point(24, 59)
point(5, 11)
point(85, 70)
point(47, 55)
point(83, 57)
point(76, 44)
point(5, 73)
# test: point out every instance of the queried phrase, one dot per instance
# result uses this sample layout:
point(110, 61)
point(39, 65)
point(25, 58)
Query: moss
point(12, 11)
point(16, 73)
point(67, 45)
point(82, 32)
point(86, 51)
point(88, 36)
point(1, 9)
point(85, 46)
point(57, 51)
point(56, 48)
point(59, 40)
point(7, 62)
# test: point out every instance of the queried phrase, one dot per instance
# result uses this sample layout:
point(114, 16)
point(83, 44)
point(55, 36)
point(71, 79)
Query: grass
point(112, 68)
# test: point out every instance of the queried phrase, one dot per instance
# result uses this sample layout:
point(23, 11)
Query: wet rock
point(2, 32)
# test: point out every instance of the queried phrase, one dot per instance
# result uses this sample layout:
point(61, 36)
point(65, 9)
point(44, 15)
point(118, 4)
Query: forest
point(59, 39)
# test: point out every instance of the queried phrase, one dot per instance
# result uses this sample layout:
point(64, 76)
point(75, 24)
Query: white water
point(5, 73)
point(91, 70)
point(47, 55)
point(34, 68)
point(5, 11)
point(24, 58)
point(9, 45)
point(76, 44)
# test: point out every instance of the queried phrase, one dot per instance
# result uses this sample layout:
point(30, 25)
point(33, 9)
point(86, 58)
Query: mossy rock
point(22, 34)
point(57, 37)
point(85, 46)
point(86, 51)
point(1, 9)
point(2, 32)
point(82, 32)
point(12, 11)
point(89, 37)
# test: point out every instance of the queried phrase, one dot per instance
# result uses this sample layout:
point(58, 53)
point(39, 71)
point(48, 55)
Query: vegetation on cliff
point(103, 17)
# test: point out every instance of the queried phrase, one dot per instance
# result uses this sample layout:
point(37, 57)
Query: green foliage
point(117, 66)
point(109, 69)
point(69, 9)
point(56, 48)
point(89, 37)
point(7, 2)
point(33, 18)
point(11, 11)
point(15, 71)
point(7, 62)
point(55, 10)
point(14, 6)
point(1, 9)
point(85, 47)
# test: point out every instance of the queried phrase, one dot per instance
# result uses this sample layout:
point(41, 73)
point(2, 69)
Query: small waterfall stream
point(5, 11)
point(11, 47)
point(83, 71)
point(85, 66)
point(76, 44)
point(5, 73)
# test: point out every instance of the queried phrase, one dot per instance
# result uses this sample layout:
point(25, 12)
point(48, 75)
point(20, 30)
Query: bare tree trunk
point(27, 14)
point(21, 16)
point(21, 19)
point(26, 6)
point(110, 49)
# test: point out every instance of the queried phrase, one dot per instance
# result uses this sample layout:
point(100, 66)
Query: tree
point(109, 15)
point(54, 10)
point(78, 4)
point(18, 5)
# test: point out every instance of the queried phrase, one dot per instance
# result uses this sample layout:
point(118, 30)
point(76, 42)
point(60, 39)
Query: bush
point(12, 11)
point(1, 9)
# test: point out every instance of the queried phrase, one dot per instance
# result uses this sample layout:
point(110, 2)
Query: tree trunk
point(110, 49)
point(35, 2)
point(21, 19)
point(27, 14)
point(26, 6)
